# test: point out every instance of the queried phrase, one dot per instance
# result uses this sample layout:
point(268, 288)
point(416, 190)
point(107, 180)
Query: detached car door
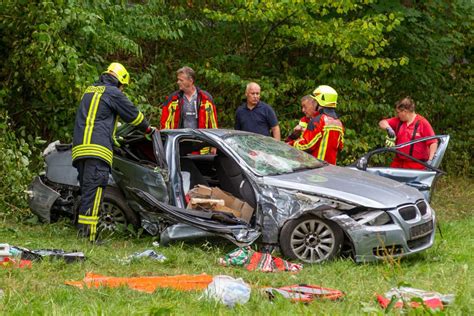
point(423, 180)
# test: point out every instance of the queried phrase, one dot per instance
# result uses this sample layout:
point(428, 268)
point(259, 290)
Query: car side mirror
point(362, 163)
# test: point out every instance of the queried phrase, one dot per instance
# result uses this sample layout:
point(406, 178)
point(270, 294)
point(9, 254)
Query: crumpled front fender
point(281, 205)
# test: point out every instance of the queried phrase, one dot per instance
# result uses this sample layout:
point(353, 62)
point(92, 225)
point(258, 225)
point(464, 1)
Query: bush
point(15, 170)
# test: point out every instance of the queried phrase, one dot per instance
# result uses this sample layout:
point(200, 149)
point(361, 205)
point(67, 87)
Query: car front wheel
point(311, 239)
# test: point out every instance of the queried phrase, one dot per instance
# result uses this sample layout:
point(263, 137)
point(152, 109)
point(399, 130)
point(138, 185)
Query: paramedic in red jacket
point(189, 107)
point(405, 127)
point(324, 136)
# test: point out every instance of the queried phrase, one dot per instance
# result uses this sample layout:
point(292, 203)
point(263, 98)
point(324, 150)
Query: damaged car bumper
point(41, 199)
point(379, 235)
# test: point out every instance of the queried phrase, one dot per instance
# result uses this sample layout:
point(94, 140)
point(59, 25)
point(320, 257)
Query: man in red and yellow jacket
point(324, 135)
point(189, 107)
point(309, 109)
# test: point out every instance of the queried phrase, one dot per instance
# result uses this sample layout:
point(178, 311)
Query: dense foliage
point(373, 53)
point(17, 150)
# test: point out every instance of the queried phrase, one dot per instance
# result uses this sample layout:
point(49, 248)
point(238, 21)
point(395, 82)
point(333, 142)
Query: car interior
point(137, 149)
point(211, 170)
point(197, 165)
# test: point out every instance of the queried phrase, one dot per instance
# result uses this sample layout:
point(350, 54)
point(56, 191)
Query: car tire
point(311, 239)
point(115, 212)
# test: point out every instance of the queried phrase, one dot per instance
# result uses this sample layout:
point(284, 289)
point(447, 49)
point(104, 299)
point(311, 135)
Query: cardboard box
point(202, 201)
point(217, 205)
point(200, 191)
point(232, 204)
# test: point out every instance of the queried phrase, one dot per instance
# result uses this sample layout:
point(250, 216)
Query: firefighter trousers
point(93, 178)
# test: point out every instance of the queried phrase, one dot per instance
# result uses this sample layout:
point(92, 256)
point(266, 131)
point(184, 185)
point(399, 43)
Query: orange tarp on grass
point(146, 284)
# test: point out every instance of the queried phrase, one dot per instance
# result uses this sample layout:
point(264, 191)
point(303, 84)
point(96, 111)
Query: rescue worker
point(308, 107)
point(94, 130)
point(190, 106)
point(324, 136)
point(405, 127)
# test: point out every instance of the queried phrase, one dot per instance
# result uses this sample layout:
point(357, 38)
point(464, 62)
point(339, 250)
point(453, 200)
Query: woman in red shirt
point(405, 127)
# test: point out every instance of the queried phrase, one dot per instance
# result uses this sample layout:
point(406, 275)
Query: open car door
point(140, 163)
point(423, 180)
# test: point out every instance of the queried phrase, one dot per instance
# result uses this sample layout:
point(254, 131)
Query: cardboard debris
point(217, 200)
point(217, 205)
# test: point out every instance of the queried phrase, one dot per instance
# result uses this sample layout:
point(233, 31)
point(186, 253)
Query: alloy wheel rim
point(110, 216)
point(312, 241)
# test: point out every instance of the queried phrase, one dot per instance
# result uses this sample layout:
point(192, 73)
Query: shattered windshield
point(267, 156)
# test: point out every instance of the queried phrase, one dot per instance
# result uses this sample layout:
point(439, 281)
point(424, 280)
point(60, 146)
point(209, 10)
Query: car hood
point(352, 186)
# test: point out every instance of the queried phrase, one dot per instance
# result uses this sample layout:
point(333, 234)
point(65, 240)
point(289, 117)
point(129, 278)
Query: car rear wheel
point(311, 239)
point(115, 212)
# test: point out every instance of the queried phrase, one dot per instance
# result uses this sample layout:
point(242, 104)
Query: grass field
point(446, 268)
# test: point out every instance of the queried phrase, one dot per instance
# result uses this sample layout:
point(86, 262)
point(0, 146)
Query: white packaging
point(4, 250)
point(228, 290)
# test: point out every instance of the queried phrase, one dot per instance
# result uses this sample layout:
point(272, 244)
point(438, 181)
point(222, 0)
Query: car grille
point(408, 212)
point(422, 207)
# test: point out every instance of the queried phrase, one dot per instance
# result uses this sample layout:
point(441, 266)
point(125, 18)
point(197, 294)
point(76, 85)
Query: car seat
point(231, 180)
point(196, 176)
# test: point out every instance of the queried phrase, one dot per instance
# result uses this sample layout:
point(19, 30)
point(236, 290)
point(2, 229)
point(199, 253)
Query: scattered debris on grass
point(144, 254)
point(228, 290)
point(8, 262)
point(406, 296)
point(257, 261)
point(304, 293)
point(40, 254)
point(11, 258)
point(16, 253)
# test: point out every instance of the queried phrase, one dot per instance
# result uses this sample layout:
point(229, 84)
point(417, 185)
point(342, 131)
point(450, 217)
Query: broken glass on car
point(265, 156)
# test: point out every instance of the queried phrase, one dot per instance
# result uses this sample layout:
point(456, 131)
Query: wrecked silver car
point(311, 210)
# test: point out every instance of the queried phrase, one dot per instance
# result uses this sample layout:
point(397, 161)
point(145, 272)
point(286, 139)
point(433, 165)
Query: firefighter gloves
point(390, 138)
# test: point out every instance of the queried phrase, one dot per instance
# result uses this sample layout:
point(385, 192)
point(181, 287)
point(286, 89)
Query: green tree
point(52, 49)
point(372, 52)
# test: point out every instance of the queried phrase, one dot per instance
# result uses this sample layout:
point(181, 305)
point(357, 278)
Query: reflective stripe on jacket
point(323, 138)
point(171, 115)
point(97, 117)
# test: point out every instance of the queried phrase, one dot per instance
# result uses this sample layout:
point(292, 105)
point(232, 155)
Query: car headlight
point(381, 219)
point(373, 218)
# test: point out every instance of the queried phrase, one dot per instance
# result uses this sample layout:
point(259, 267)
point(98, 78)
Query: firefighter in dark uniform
point(94, 130)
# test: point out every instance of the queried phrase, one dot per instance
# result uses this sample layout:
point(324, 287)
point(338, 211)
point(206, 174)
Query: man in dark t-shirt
point(256, 116)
